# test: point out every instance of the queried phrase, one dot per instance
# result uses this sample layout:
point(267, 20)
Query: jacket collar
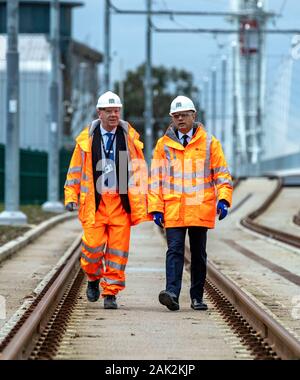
point(123, 124)
point(84, 140)
point(173, 141)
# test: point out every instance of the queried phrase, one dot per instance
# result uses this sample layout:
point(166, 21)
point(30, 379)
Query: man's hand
point(72, 206)
point(158, 218)
point(222, 208)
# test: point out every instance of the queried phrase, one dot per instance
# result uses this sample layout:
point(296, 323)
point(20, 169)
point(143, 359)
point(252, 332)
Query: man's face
point(184, 120)
point(109, 117)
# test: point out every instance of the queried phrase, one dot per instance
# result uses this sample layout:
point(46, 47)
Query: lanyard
point(111, 144)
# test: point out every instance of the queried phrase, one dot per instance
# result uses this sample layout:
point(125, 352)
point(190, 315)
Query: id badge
point(108, 169)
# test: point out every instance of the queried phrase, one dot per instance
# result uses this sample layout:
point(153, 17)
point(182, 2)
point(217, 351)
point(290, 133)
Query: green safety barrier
point(34, 173)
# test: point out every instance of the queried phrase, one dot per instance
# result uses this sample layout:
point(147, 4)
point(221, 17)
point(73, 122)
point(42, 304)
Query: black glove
point(71, 206)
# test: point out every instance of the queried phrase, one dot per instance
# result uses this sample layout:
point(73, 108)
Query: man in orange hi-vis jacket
point(108, 175)
point(189, 184)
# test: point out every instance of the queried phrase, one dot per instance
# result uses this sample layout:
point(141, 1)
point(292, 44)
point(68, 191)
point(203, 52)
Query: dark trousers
point(175, 259)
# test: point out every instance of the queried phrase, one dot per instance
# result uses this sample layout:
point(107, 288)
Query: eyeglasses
point(112, 111)
point(183, 115)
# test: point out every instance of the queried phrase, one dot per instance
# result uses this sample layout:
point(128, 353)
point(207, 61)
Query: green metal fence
point(33, 174)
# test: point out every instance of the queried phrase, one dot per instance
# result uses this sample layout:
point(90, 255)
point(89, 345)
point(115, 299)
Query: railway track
point(249, 220)
point(38, 333)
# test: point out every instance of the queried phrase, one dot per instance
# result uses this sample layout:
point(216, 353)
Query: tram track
point(264, 336)
point(249, 220)
point(29, 329)
point(39, 332)
point(39, 335)
point(260, 333)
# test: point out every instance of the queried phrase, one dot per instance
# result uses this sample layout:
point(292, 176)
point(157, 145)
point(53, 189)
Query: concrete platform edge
point(15, 245)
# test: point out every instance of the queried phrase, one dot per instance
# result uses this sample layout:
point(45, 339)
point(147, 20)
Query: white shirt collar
point(103, 131)
point(189, 133)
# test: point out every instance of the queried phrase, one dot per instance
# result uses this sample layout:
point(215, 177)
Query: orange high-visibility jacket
point(80, 182)
point(185, 183)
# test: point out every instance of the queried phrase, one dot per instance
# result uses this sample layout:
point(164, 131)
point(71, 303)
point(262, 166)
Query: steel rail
point(272, 233)
point(24, 340)
point(282, 342)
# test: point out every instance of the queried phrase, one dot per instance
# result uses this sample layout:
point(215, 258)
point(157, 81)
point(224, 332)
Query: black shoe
point(198, 305)
point(168, 299)
point(93, 291)
point(110, 302)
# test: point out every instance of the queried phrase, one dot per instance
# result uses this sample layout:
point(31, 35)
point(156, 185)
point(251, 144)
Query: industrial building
point(77, 92)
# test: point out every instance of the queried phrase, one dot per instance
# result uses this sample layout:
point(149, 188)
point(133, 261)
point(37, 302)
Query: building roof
point(34, 52)
point(86, 52)
point(71, 3)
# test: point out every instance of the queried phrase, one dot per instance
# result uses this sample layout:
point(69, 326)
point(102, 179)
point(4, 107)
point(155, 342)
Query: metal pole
point(223, 102)
point(200, 114)
point(206, 101)
point(121, 87)
point(148, 89)
point(53, 203)
point(107, 46)
point(213, 100)
point(259, 124)
point(12, 215)
point(234, 150)
point(247, 89)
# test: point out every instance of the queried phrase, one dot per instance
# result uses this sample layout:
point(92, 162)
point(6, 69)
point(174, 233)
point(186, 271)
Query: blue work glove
point(222, 209)
point(71, 206)
point(158, 218)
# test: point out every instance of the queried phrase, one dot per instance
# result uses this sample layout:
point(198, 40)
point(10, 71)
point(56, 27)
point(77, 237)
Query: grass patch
point(35, 215)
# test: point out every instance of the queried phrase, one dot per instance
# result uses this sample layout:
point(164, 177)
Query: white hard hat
point(182, 103)
point(109, 99)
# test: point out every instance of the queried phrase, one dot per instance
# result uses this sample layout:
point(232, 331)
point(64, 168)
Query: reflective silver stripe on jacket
point(155, 185)
point(91, 260)
point(207, 171)
point(85, 177)
point(222, 181)
point(221, 169)
point(71, 182)
point(114, 265)
point(161, 170)
point(167, 152)
point(114, 282)
point(84, 189)
point(98, 249)
point(117, 252)
point(188, 189)
point(74, 169)
point(82, 157)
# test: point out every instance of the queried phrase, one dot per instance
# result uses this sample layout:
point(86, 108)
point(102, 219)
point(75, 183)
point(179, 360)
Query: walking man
point(190, 183)
point(106, 165)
